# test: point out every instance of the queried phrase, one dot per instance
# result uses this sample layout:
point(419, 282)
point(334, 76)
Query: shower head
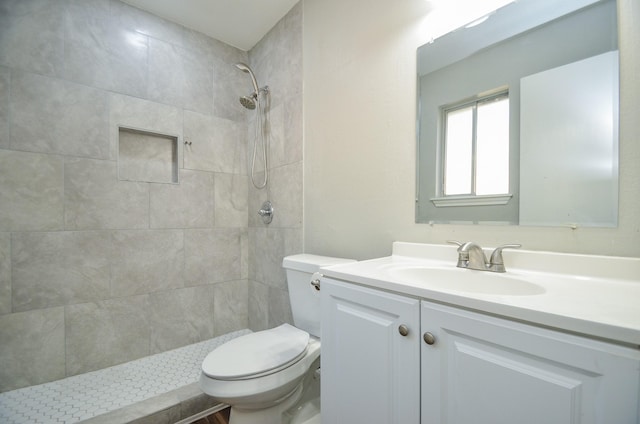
point(245, 68)
point(249, 101)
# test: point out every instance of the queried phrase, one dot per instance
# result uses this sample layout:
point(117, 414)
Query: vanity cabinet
point(370, 356)
point(484, 369)
point(389, 358)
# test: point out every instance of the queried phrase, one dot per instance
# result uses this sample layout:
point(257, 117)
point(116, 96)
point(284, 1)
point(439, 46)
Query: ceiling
point(240, 23)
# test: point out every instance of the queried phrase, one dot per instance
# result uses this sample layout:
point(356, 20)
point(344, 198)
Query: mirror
point(557, 63)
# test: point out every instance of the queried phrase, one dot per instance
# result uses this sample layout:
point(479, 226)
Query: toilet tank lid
point(311, 263)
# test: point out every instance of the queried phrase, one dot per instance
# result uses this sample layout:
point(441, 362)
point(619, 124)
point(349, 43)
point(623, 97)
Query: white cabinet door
point(483, 369)
point(370, 371)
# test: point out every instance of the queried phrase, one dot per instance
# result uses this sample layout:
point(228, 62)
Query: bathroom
point(82, 254)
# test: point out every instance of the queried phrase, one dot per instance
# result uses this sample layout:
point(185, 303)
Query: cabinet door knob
point(429, 338)
point(403, 330)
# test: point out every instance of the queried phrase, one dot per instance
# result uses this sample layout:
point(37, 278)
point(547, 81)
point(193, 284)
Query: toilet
point(272, 376)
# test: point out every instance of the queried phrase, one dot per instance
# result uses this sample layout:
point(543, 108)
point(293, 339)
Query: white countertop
point(598, 296)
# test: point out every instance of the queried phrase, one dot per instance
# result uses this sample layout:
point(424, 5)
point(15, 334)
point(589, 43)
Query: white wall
point(359, 136)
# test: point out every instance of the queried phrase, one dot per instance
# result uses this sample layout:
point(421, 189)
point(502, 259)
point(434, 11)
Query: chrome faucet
point(471, 256)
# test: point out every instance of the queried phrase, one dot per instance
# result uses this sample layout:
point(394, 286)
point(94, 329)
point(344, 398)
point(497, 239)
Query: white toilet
point(264, 376)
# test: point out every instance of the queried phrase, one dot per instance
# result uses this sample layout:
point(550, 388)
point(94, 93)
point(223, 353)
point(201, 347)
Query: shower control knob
point(266, 212)
point(429, 338)
point(403, 330)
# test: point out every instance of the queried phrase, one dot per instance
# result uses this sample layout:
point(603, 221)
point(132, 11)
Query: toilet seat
point(257, 354)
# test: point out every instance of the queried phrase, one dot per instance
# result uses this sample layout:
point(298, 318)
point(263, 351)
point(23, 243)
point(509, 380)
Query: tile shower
point(96, 269)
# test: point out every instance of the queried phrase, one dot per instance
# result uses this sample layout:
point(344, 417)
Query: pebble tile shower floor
point(84, 396)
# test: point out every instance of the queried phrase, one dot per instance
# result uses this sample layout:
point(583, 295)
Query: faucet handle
point(497, 262)
point(463, 257)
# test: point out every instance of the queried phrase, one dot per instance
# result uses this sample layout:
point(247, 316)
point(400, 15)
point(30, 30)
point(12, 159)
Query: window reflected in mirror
point(476, 147)
point(495, 149)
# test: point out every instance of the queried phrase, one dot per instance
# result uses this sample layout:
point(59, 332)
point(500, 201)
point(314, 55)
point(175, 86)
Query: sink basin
point(465, 280)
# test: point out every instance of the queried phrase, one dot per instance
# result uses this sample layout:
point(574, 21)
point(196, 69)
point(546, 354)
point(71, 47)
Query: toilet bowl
point(260, 375)
point(259, 369)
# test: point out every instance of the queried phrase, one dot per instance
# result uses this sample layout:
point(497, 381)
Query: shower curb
point(161, 388)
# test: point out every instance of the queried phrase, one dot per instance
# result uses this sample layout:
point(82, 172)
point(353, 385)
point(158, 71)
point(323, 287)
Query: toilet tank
point(303, 296)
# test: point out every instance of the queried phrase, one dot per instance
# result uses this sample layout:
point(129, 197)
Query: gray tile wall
point(277, 62)
point(95, 271)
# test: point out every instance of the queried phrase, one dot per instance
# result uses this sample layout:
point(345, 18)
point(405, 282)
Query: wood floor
point(220, 417)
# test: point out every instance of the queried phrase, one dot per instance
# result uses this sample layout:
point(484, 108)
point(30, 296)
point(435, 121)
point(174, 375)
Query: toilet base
point(307, 410)
point(272, 415)
point(307, 413)
point(301, 406)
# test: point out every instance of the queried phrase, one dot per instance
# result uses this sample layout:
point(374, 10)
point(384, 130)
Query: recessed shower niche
point(147, 156)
